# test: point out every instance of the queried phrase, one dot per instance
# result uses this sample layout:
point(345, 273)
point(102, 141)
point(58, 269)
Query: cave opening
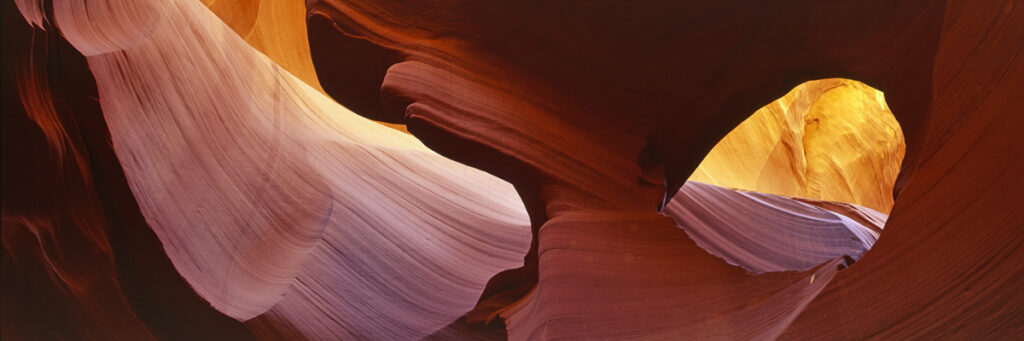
point(805, 179)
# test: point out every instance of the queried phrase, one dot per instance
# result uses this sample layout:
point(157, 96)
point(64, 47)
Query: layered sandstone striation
point(264, 193)
point(216, 191)
point(831, 139)
point(608, 120)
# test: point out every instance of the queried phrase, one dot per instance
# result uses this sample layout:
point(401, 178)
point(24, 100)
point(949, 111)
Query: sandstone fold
point(605, 111)
point(217, 172)
point(767, 233)
point(654, 282)
point(830, 139)
point(263, 191)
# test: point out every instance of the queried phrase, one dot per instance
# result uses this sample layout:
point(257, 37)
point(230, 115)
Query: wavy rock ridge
point(229, 179)
point(831, 139)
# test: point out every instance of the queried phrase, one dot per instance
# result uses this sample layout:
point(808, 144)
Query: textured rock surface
point(578, 101)
point(229, 180)
point(765, 233)
point(275, 28)
point(278, 30)
point(831, 139)
point(226, 155)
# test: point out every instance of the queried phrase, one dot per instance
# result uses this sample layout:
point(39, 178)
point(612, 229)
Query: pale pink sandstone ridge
point(236, 199)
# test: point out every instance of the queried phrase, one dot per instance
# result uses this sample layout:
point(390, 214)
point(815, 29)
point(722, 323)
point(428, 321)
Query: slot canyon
point(512, 170)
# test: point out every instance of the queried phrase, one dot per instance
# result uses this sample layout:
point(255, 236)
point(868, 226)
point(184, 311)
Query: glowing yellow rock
point(278, 30)
point(831, 139)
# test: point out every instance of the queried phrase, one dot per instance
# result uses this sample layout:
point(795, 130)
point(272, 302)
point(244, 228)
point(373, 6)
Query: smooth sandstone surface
point(616, 116)
point(227, 156)
point(213, 192)
point(830, 139)
point(768, 233)
point(278, 30)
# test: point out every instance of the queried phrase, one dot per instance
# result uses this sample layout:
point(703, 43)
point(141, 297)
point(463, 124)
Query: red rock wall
point(208, 175)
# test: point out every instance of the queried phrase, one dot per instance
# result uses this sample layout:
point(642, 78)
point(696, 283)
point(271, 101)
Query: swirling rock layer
point(231, 189)
point(830, 139)
point(767, 233)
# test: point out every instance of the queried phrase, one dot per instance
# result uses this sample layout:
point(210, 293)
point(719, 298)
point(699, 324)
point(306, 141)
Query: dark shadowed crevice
point(351, 69)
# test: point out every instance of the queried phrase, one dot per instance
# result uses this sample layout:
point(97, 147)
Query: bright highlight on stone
point(227, 170)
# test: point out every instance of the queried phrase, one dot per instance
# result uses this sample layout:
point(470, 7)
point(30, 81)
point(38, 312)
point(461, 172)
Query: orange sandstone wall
point(831, 139)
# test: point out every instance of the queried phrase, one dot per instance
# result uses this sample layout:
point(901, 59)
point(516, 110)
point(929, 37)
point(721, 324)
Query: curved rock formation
point(230, 178)
point(831, 139)
point(239, 197)
point(275, 28)
point(578, 101)
point(767, 233)
point(79, 259)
